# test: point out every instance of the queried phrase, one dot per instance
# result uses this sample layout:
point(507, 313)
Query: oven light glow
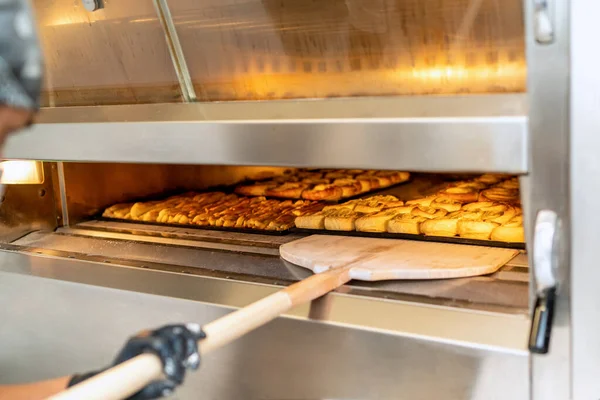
point(21, 172)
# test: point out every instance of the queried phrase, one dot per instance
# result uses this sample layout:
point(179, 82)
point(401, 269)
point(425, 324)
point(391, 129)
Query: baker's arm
point(175, 345)
point(31, 391)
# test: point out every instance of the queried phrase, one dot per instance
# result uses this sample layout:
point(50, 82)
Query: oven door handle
point(545, 263)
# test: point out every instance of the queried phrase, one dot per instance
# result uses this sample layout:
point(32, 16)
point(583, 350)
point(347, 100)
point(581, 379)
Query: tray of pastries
point(216, 210)
point(483, 209)
point(323, 184)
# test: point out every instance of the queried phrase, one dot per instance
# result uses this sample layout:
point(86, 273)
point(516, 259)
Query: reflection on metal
point(444, 324)
point(64, 203)
point(505, 291)
point(21, 172)
point(548, 183)
point(27, 208)
point(288, 49)
point(584, 146)
point(366, 349)
point(183, 74)
point(98, 57)
point(471, 133)
point(304, 49)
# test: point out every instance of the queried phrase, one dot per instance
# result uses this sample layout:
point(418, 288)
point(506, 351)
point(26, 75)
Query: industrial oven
point(147, 98)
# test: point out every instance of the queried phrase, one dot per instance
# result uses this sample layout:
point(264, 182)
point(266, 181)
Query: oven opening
point(229, 221)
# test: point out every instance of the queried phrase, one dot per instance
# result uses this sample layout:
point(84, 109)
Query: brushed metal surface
point(585, 186)
point(399, 136)
point(265, 49)
point(57, 326)
point(504, 291)
point(547, 185)
point(111, 56)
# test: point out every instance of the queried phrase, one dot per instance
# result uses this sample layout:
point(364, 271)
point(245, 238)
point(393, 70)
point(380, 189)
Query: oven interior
point(62, 217)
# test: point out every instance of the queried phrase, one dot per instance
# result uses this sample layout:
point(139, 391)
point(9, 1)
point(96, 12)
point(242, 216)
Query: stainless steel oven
point(142, 98)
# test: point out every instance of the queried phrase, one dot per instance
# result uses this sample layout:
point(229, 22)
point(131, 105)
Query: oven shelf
point(255, 258)
point(475, 133)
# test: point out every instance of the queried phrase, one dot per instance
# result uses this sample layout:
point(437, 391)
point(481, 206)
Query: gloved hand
point(176, 345)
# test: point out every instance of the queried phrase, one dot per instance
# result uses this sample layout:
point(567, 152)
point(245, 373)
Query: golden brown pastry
point(255, 189)
point(377, 222)
point(339, 174)
point(447, 204)
point(511, 231)
point(377, 203)
point(350, 187)
point(311, 221)
point(424, 201)
point(411, 222)
point(324, 192)
point(288, 190)
point(460, 193)
point(492, 216)
point(350, 205)
point(120, 211)
point(499, 194)
point(393, 176)
point(448, 225)
point(512, 183)
point(470, 184)
point(491, 179)
point(368, 182)
point(341, 220)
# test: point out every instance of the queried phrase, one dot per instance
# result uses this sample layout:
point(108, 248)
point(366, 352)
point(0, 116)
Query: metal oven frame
point(546, 135)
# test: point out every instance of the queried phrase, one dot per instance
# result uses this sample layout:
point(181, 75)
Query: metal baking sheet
point(212, 228)
point(387, 235)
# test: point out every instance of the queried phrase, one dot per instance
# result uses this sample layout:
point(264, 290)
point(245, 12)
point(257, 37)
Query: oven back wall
point(29, 207)
point(91, 187)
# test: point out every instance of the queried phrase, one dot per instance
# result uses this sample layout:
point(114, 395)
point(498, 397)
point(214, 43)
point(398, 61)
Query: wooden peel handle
point(129, 377)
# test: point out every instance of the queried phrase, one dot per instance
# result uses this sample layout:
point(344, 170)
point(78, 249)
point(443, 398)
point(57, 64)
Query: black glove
point(176, 345)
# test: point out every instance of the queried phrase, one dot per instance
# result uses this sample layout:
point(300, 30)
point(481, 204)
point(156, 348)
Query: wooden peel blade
point(131, 376)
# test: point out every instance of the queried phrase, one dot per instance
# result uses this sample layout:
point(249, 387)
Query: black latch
point(541, 322)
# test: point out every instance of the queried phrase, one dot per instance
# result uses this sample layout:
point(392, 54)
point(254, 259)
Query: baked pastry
point(511, 231)
point(512, 183)
point(350, 205)
point(393, 176)
point(255, 189)
point(339, 174)
point(499, 194)
point(423, 201)
point(377, 203)
point(448, 225)
point(314, 221)
point(368, 182)
point(350, 187)
point(463, 194)
point(491, 179)
point(482, 227)
point(288, 190)
point(120, 211)
point(377, 222)
point(447, 204)
point(411, 222)
point(324, 192)
point(341, 220)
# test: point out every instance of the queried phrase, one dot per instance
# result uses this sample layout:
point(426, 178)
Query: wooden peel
point(335, 260)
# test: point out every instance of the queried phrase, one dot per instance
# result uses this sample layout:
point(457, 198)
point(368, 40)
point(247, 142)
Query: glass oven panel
point(276, 49)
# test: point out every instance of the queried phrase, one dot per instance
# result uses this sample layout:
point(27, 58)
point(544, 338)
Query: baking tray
point(387, 235)
point(203, 227)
